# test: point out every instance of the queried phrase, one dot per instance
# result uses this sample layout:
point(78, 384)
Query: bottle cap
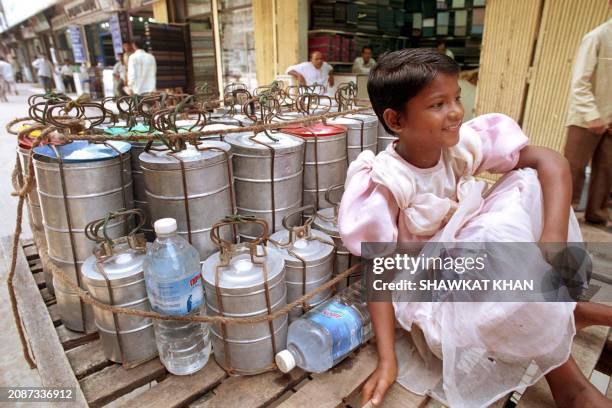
point(285, 361)
point(165, 226)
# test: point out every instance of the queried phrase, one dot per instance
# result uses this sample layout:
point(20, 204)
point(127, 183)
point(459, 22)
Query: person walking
point(589, 122)
point(142, 70)
point(7, 76)
point(44, 71)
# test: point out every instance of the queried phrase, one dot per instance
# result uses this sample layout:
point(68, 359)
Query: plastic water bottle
point(174, 286)
point(325, 335)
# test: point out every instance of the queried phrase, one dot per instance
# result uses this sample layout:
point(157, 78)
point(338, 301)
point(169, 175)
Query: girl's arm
point(554, 175)
point(383, 319)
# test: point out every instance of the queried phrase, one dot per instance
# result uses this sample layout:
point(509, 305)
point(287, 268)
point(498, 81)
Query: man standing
point(315, 71)
point(142, 70)
point(363, 64)
point(118, 76)
point(67, 77)
point(44, 71)
point(589, 121)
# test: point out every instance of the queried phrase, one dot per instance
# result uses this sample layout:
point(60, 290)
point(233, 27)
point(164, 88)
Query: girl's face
point(430, 120)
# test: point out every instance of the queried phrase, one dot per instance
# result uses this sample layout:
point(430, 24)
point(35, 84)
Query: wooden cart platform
point(69, 359)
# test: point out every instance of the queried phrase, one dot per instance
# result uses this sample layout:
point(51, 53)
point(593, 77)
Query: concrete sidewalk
point(14, 370)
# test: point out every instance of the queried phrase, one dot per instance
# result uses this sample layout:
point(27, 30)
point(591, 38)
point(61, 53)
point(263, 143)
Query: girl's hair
point(400, 75)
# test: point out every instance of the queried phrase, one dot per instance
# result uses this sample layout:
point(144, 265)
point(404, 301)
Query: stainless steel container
point(327, 221)
point(384, 138)
point(217, 126)
point(326, 160)
point(309, 263)
point(140, 195)
point(247, 348)
point(129, 339)
point(199, 197)
point(97, 180)
point(239, 120)
point(35, 211)
point(362, 133)
point(267, 177)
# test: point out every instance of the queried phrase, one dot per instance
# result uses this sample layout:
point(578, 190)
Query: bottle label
point(343, 324)
point(178, 297)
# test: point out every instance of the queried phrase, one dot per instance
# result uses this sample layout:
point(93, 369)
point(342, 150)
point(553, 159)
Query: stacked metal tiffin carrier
point(114, 276)
point(245, 280)
point(24, 146)
point(78, 182)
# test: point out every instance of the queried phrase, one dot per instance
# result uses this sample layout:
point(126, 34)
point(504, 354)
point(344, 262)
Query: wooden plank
point(399, 397)
point(47, 297)
point(586, 350)
point(112, 382)
point(26, 242)
point(177, 391)
point(52, 364)
point(333, 387)
point(36, 266)
point(71, 339)
point(87, 359)
point(39, 278)
point(253, 391)
point(54, 313)
point(31, 252)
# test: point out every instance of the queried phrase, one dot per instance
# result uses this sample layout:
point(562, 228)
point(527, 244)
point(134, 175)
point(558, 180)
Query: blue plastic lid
point(81, 151)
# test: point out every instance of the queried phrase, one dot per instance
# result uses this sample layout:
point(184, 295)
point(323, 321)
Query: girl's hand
point(379, 382)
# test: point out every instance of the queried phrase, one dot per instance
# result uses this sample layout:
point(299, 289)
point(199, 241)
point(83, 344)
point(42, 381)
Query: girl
point(422, 188)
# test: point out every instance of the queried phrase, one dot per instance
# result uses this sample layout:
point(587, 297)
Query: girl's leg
point(592, 314)
point(570, 388)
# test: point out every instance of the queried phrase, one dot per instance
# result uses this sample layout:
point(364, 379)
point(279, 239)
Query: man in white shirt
point(589, 122)
point(7, 76)
point(44, 72)
point(315, 71)
point(141, 71)
point(67, 77)
point(363, 64)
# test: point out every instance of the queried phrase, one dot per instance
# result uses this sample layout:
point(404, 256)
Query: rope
point(193, 136)
point(87, 298)
point(11, 288)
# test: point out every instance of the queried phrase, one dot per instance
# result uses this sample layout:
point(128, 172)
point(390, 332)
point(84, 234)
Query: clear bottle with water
point(174, 287)
point(325, 335)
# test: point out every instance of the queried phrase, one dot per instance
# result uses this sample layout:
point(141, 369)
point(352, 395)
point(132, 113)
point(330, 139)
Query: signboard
point(78, 48)
point(115, 29)
point(78, 8)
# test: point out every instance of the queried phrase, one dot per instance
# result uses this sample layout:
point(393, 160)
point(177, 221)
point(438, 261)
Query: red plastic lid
point(25, 141)
point(318, 129)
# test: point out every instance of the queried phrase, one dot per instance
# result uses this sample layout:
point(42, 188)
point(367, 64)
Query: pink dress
point(463, 354)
